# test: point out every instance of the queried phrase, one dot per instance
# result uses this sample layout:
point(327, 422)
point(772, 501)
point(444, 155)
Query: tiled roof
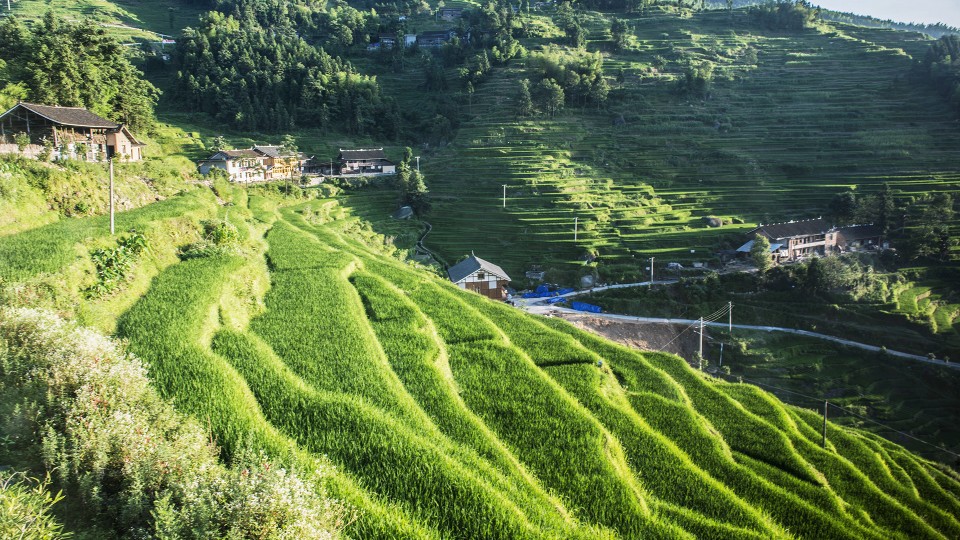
point(853, 233)
point(793, 228)
point(371, 153)
point(67, 116)
point(269, 151)
point(250, 153)
point(470, 265)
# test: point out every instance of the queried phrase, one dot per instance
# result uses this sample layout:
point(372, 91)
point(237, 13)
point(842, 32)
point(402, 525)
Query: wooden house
point(435, 39)
point(795, 240)
point(860, 237)
point(280, 166)
point(798, 239)
point(73, 132)
point(389, 41)
point(450, 14)
point(365, 161)
point(480, 276)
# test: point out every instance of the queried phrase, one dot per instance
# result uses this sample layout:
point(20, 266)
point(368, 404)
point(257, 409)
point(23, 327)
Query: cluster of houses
point(428, 40)
point(33, 130)
point(265, 163)
point(795, 240)
point(256, 164)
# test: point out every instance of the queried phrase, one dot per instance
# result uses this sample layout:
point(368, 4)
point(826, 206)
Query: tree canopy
point(73, 65)
point(269, 78)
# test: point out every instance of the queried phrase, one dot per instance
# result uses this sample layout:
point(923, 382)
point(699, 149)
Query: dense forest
point(942, 66)
point(74, 65)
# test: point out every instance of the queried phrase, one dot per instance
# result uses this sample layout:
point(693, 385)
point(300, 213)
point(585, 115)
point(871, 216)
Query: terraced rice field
point(449, 415)
point(820, 112)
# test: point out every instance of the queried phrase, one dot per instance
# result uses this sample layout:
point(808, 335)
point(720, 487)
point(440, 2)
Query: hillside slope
point(789, 120)
point(447, 414)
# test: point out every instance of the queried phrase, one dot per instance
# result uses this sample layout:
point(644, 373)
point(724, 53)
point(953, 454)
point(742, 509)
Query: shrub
point(25, 505)
point(114, 264)
point(133, 464)
point(22, 140)
point(219, 237)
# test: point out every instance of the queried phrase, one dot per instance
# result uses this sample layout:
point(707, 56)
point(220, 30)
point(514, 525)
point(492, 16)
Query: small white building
point(480, 276)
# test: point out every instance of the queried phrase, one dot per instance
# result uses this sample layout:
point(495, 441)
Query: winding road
point(538, 306)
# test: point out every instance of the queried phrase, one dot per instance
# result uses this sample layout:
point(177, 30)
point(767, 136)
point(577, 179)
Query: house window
point(481, 276)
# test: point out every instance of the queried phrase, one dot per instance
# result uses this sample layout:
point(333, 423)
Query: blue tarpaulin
point(544, 291)
point(581, 306)
point(555, 300)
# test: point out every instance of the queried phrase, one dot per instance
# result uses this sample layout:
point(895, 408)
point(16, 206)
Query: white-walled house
point(478, 275)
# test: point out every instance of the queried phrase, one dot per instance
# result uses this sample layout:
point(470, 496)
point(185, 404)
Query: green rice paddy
point(445, 414)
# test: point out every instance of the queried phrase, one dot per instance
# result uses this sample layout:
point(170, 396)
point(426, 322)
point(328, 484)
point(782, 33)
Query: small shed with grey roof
point(480, 276)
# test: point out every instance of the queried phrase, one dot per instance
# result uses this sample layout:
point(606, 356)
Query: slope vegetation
point(449, 415)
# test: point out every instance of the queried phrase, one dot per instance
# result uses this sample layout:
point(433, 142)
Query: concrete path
point(547, 310)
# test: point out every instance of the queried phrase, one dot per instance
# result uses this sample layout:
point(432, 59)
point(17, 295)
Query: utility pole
point(651, 271)
point(701, 343)
point(721, 355)
point(111, 192)
point(575, 229)
point(418, 163)
point(825, 404)
point(730, 317)
point(504, 195)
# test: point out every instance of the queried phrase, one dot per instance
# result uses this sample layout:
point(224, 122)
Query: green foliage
point(253, 76)
point(25, 508)
point(113, 265)
point(793, 15)
point(78, 65)
point(218, 237)
point(579, 78)
point(620, 32)
point(942, 66)
point(22, 140)
point(696, 79)
point(760, 253)
point(127, 461)
point(524, 99)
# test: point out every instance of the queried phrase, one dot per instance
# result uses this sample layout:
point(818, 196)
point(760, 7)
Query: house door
point(111, 150)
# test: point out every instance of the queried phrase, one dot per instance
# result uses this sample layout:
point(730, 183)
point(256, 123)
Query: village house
point(243, 166)
point(450, 14)
point(389, 41)
point(68, 132)
point(480, 276)
point(256, 164)
point(795, 240)
point(365, 161)
point(434, 39)
point(280, 166)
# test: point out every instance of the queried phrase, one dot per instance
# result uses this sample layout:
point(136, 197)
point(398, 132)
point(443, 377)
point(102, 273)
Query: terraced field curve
point(447, 415)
